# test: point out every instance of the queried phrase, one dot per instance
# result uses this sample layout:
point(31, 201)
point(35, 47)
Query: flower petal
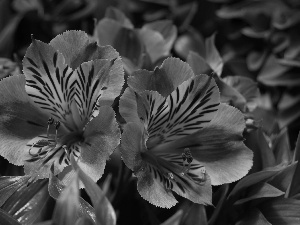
point(44, 155)
point(150, 189)
point(218, 146)
point(97, 81)
point(77, 48)
point(186, 110)
point(158, 177)
point(101, 137)
point(163, 79)
point(191, 107)
point(50, 82)
point(128, 106)
point(20, 121)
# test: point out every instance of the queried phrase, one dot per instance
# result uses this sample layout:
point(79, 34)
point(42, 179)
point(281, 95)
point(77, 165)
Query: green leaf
point(295, 183)
point(67, 205)
point(253, 217)
point(197, 63)
point(195, 214)
point(192, 40)
point(119, 16)
point(175, 219)
point(281, 148)
point(253, 179)
point(212, 55)
point(9, 185)
point(282, 211)
point(261, 190)
point(158, 38)
point(105, 213)
point(7, 219)
point(26, 203)
point(282, 180)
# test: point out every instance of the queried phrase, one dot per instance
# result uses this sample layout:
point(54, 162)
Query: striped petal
point(189, 108)
point(47, 156)
point(99, 83)
point(218, 146)
point(50, 83)
point(157, 175)
point(20, 121)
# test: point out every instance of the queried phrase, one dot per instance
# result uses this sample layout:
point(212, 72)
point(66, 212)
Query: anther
point(50, 121)
point(57, 125)
point(171, 176)
point(187, 159)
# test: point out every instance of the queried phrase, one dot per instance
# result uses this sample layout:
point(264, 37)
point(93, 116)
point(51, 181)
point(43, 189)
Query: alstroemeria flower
point(61, 107)
point(178, 136)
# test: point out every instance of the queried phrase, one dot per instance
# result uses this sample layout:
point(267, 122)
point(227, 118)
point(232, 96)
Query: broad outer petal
point(20, 121)
point(219, 146)
point(128, 106)
point(77, 48)
point(149, 189)
point(163, 79)
point(101, 137)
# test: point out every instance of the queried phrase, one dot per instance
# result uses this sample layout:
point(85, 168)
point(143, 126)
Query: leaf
point(281, 211)
point(195, 214)
point(166, 29)
point(255, 60)
point(192, 40)
point(282, 180)
point(253, 217)
point(7, 219)
point(197, 63)
point(105, 213)
point(26, 203)
point(245, 87)
point(119, 16)
point(253, 179)
point(261, 190)
point(126, 41)
point(281, 147)
point(67, 205)
point(264, 155)
point(9, 185)
point(212, 55)
point(174, 219)
point(295, 183)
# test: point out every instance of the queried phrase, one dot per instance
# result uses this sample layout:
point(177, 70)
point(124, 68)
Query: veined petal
point(163, 79)
point(189, 108)
point(77, 48)
point(101, 137)
point(47, 157)
point(158, 176)
point(93, 80)
point(128, 106)
point(50, 82)
point(218, 146)
point(20, 121)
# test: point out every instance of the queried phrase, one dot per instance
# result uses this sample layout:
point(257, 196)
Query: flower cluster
point(177, 137)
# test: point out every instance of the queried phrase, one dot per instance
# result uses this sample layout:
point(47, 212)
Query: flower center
point(54, 148)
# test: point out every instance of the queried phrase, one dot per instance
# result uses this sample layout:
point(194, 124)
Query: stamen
point(42, 144)
point(66, 151)
point(171, 176)
point(187, 159)
point(57, 125)
point(50, 121)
